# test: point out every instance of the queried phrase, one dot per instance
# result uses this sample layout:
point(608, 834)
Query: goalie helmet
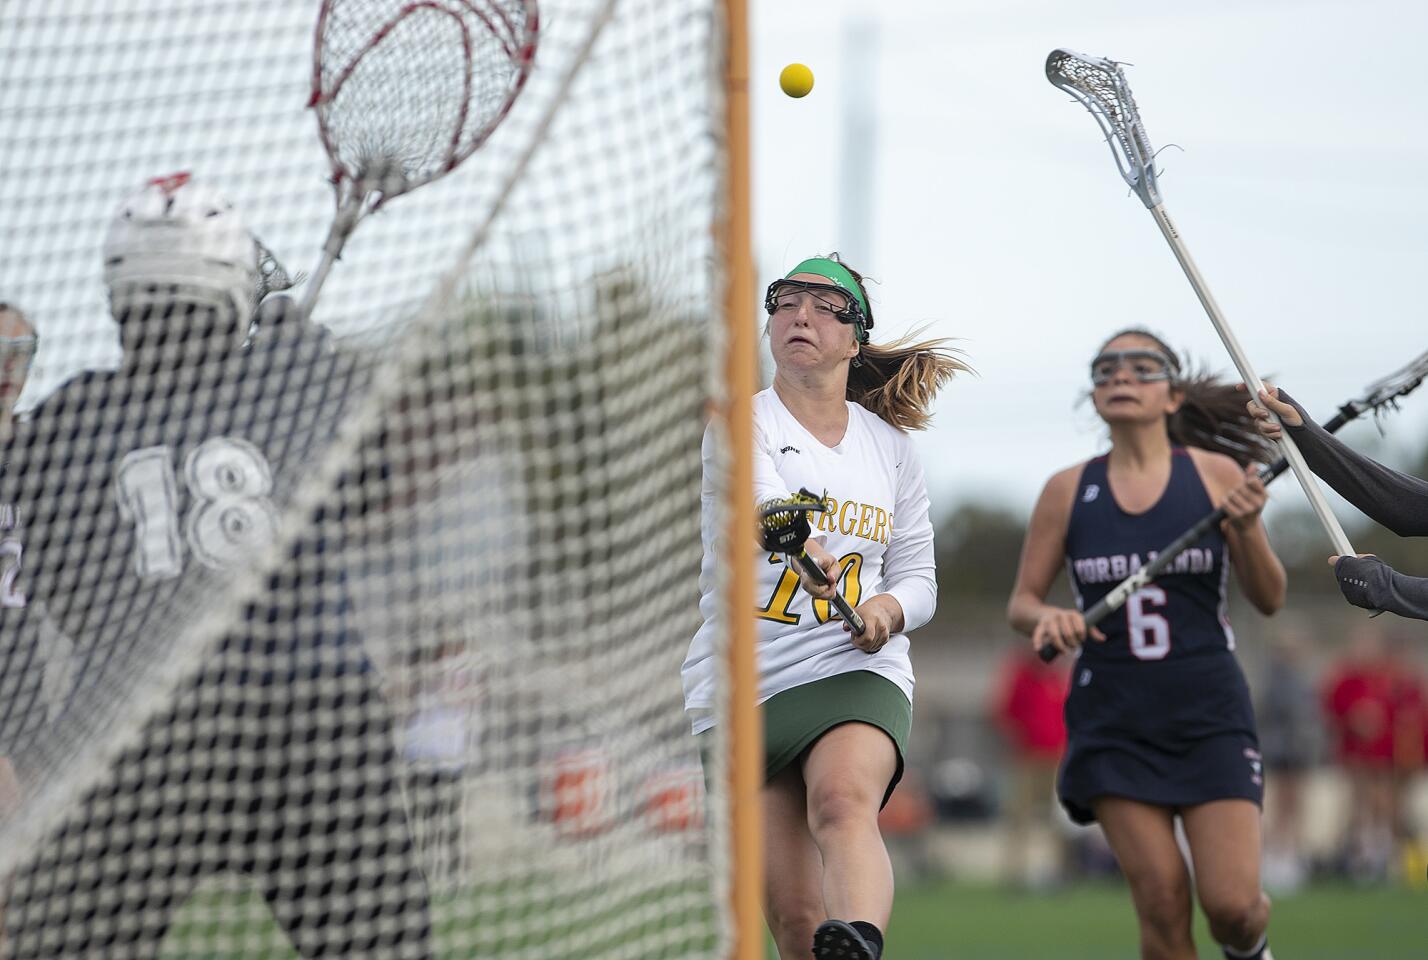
point(180, 242)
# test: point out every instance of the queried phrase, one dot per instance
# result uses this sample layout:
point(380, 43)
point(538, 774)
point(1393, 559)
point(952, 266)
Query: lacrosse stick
point(406, 91)
point(1100, 86)
point(1380, 395)
point(784, 528)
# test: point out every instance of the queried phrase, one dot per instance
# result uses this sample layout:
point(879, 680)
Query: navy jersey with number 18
point(138, 498)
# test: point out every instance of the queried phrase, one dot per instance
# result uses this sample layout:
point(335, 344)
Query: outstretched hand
point(1269, 400)
point(1363, 580)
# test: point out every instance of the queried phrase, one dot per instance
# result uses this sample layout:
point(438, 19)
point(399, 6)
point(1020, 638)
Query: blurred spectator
point(17, 352)
point(1028, 710)
point(439, 736)
point(1374, 701)
point(1289, 737)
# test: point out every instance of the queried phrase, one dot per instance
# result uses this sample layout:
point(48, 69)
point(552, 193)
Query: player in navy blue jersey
point(1159, 722)
point(144, 496)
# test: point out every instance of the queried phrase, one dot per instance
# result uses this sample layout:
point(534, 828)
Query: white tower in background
point(857, 175)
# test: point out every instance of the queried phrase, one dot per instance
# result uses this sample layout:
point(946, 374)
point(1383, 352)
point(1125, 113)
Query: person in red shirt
point(1375, 705)
point(1028, 709)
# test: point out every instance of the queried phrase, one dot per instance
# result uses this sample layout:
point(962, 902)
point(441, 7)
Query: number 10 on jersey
point(229, 483)
point(851, 567)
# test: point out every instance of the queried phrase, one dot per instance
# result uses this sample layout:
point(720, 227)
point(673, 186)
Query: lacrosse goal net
point(380, 611)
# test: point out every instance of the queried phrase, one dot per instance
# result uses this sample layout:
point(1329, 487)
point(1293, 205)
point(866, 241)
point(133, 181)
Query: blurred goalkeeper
point(1391, 499)
point(145, 496)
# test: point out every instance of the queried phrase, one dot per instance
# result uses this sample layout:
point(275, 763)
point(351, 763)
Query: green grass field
point(948, 921)
point(1096, 923)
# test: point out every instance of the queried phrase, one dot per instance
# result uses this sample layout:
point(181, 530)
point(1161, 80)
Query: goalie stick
point(784, 528)
point(462, 62)
point(1378, 396)
point(1100, 86)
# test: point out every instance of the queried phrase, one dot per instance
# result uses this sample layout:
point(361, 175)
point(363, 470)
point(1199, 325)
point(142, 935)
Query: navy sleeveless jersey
point(231, 437)
point(1179, 614)
point(1159, 712)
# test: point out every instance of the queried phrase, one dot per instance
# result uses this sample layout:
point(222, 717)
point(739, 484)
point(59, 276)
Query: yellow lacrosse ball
point(796, 80)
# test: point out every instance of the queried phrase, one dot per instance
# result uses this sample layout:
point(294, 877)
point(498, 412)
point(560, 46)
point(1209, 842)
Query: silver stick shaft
point(1242, 364)
point(315, 282)
point(349, 213)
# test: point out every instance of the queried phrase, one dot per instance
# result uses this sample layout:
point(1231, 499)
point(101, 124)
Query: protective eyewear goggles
point(1147, 366)
point(18, 350)
point(787, 293)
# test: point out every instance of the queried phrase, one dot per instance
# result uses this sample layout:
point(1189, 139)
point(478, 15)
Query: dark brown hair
point(898, 380)
point(1212, 416)
point(16, 312)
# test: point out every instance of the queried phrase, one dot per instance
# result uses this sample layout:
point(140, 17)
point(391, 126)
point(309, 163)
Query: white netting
point(357, 634)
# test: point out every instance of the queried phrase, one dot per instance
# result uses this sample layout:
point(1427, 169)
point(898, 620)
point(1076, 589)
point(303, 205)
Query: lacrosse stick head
point(783, 524)
point(406, 91)
point(1384, 393)
point(1100, 86)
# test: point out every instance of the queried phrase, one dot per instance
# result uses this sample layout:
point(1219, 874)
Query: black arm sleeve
point(1391, 499)
point(1370, 583)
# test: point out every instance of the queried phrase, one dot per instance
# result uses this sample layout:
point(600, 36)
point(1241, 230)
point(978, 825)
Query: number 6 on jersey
point(229, 482)
point(1149, 632)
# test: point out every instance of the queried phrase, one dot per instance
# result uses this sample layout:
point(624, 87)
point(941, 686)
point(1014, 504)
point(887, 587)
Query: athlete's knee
point(1236, 918)
point(841, 807)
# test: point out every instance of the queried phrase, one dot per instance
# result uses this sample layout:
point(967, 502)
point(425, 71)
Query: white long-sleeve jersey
point(879, 530)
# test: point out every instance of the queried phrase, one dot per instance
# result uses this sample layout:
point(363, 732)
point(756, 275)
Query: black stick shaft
point(1116, 599)
point(816, 574)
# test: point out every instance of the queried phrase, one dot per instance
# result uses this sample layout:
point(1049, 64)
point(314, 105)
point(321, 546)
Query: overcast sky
point(999, 218)
point(993, 210)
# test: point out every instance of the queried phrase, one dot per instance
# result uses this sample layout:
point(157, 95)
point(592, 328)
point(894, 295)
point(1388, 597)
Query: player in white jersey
point(837, 706)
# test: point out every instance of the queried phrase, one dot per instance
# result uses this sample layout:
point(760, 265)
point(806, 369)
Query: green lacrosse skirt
point(797, 717)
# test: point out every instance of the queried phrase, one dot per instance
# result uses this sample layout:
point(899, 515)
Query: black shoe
point(836, 940)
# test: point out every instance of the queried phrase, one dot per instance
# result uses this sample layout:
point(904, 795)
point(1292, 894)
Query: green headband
point(839, 275)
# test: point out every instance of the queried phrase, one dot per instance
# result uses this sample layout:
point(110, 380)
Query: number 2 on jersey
point(228, 480)
point(850, 570)
point(10, 552)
